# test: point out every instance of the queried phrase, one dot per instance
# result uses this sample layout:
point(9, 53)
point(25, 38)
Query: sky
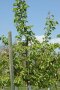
point(37, 13)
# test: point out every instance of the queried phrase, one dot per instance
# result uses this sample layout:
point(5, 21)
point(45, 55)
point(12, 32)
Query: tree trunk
point(49, 88)
point(29, 87)
point(16, 88)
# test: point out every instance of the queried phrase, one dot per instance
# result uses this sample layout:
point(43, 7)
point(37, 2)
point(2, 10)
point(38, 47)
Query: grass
point(34, 88)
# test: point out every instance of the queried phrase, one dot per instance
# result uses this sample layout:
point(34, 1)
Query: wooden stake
point(11, 60)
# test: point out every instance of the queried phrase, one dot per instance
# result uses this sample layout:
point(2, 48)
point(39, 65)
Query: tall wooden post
point(11, 60)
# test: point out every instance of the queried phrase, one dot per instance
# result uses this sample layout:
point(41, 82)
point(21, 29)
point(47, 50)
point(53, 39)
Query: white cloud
point(40, 38)
point(55, 40)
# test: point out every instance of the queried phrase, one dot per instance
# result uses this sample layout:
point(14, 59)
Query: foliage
point(46, 65)
point(20, 20)
point(50, 26)
point(4, 40)
point(4, 68)
point(58, 35)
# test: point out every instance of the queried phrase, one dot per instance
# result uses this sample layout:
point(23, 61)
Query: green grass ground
point(35, 88)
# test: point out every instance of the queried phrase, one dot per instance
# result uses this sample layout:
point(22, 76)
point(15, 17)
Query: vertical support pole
point(11, 60)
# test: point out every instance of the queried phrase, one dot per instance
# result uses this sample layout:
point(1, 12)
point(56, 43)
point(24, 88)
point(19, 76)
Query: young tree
point(24, 30)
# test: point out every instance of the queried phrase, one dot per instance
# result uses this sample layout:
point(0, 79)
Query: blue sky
point(37, 13)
